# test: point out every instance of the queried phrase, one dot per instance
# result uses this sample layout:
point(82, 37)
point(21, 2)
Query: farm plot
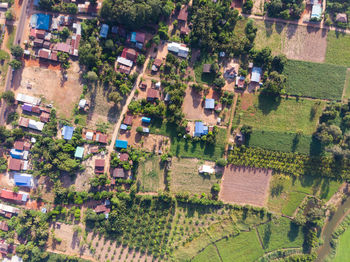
point(49, 84)
point(296, 42)
point(338, 52)
point(342, 250)
point(286, 193)
point(315, 80)
point(185, 176)
point(346, 92)
point(151, 175)
point(243, 185)
point(286, 115)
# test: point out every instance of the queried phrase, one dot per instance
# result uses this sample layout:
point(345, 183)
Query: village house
point(4, 226)
point(152, 95)
point(23, 180)
point(122, 144)
point(99, 166)
point(13, 196)
point(101, 138)
point(209, 103)
point(256, 75)
point(207, 68)
point(128, 120)
point(180, 50)
point(118, 172)
point(200, 129)
point(205, 169)
point(157, 63)
point(8, 211)
point(341, 18)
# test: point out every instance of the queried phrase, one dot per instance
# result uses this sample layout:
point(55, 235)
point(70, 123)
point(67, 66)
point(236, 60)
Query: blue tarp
point(133, 37)
point(146, 119)
point(67, 132)
point(209, 103)
point(40, 21)
point(121, 143)
point(23, 180)
point(27, 107)
point(104, 30)
point(36, 2)
point(256, 74)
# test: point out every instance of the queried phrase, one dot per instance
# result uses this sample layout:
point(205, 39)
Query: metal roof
point(79, 152)
point(67, 132)
point(121, 143)
point(209, 103)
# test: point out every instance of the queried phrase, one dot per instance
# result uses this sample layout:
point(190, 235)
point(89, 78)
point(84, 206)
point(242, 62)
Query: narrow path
point(346, 84)
point(228, 134)
point(259, 237)
point(69, 254)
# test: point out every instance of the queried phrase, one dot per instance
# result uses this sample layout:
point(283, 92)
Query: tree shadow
point(267, 236)
point(277, 190)
point(291, 29)
point(295, 142)
point(293, 231)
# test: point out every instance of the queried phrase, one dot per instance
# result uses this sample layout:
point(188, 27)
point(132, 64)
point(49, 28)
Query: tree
point(91, 76)
point(8, 96)
point(278, 63)
point(221, 162)
point(17, 51)
point(9, 15)
point(72, 8)
point(139, 129)
point(64, 59)
point(140, 59)
point(115, 97)
point(219, 82)
point(15, 64)
point(247, 7)
point(275, 84)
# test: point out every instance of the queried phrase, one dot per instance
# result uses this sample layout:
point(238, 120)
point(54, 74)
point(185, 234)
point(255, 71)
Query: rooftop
point(79, 152)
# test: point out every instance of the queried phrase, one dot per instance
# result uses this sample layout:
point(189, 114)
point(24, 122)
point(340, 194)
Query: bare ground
point(243, 185)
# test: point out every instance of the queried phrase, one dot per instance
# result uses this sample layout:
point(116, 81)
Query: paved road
point(17, 40)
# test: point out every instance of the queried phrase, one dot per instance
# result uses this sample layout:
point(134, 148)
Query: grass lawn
point(315, 80)
point(269, 35)
point(5, 57)
point(286, 193)
point(185, 177)
point(286, 142)
point(209, 254)
point(185, 148)
point(343, 253)
point(280, 233)
point(346, 93)
point(286, 115)
point(244, 247)
point(151, 175)
point(12, 33)
point(203, 78)
point(338, 51)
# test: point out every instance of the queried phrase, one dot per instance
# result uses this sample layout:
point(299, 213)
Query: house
point(316, 11)
point(146, 120)
point(44, 117)
point(19, 145)
point(121, 143)
point(27, 146)
point(128, 120)
point(180, 49)
point(8, 211)
point(118, 172)
point(82, 103)
point(200, 129)
point(209, 103)
point(67, 132)
point(240, 81)
point(124, 157)
point(27, 107)
point(143, 85)
point(13, 196)
point(28, 99)
point(130, 54)
point(38, 42)
point(63, 47)
point(19, 154)
point(239, 138)
point(183, 14)
point(23, 122)
point(99, 166)
point(4, 248)
point(145, 130)
point(40, 21)
point(4, 5)
point(231, 72)
point(206, 68)
point(101, 138)
point(44, 53)
point(184, 30)
point(89, 135)
point(123, 127)
point(123, 69)
point(152, 94)
point(218, 107)
point(13, 258)
point(124, 61)
point(79, 152)
point(156, 64)
point(36, 125)
point(101, 209)
point(15, 164)
point(4, 226)
point(46, 44)
point(25, 180)
point(104, 30)
point(341, 18)
point(205, 169)
point(40, 34)
point(94, 150)
point(36, 109)
point(256, 74)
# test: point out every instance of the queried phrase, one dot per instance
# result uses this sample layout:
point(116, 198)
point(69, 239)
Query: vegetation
point(335, 7)
point(315, 80)
point(285, 9)
point(336, 52)
point(340, 241)
point(8, 96)
point(150, 175)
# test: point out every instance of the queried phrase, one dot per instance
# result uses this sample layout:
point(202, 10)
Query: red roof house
point(152, 94)
point(102, 209)
point(183, 14)
point(102, 138)
point(128, 120)
point(15, 164)
point(4, 226)
point(24, 122)
point(130, 54)
point(124, 157)
point(19, 145)
point(118, 172)
point(44, 117)
point(99, 166)
point(44, 53)
point(140, 37)
point(9, 195)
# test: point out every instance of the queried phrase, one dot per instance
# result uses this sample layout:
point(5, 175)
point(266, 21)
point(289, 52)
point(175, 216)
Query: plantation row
point(290, 163)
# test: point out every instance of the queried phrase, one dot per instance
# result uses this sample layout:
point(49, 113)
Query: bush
point(8, 96)
point(221, 162)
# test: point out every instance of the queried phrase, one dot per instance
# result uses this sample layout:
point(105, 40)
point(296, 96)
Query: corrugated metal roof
point(79, 152)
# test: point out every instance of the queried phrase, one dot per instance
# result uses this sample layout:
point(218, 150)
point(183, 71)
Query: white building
point(206, 169)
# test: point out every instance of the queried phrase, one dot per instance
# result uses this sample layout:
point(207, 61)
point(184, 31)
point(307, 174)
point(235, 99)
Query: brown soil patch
point(258, 7)
point(244, 185)
point(42, 64)
point(193, 108)
point(149, 142)
point(50, 85)
point(247, 100)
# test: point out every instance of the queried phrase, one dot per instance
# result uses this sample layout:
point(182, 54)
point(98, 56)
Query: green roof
point(79, 152)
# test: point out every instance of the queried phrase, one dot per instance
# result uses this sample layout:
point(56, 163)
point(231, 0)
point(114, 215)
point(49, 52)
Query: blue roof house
point(79, 152)
point(67, 132)
point(40, 21)
point(104, 30)
point(200, 129)
point(256, 74)
point(316, 11)
point(133, 37)
point(209, 103)
point(121, 143)
point(23, 180)
point(146, 119)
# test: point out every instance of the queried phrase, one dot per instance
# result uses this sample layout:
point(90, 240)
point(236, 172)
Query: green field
point(338, 51)
point(286, 115)
point(203, 78)
point(315, 80)
point(346, 93)
point(186, 148)
point(281, 233)
point(12, 33)
point(286, 142)
point(269, 35)
point(342, 251)
point(209, 254)
point(151, 175)
point(286, 192)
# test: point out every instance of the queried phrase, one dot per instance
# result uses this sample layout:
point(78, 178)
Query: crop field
point(338, 51)
point(208, 254)
point(346, 92)
point(280, 233)
point(296, 42)
point(286, 142)
point(342, 252)
point(315, 80)
point(151, 175)
point(287, 193)
point(286, 115)
point(187, 148)
point(185, 177)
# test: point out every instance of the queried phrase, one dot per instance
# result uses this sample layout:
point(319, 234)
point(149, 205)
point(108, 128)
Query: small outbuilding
point(206, 68)
point(209, 103)
point(121, 143)
point(205, 169)
point(128, 120)
point(79, 152)
point(67, 132)
point(104, 30)
point(99, 166)
point(341, 18)
point(146, 120)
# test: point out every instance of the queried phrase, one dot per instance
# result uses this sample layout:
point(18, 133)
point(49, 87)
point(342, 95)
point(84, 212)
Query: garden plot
point(186, 178)
point(244, 185)
point(151, 175)
point(49, 84)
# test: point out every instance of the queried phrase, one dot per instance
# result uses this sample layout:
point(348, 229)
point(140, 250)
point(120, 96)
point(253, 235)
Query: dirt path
point(235, 99)
point(69, 254)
